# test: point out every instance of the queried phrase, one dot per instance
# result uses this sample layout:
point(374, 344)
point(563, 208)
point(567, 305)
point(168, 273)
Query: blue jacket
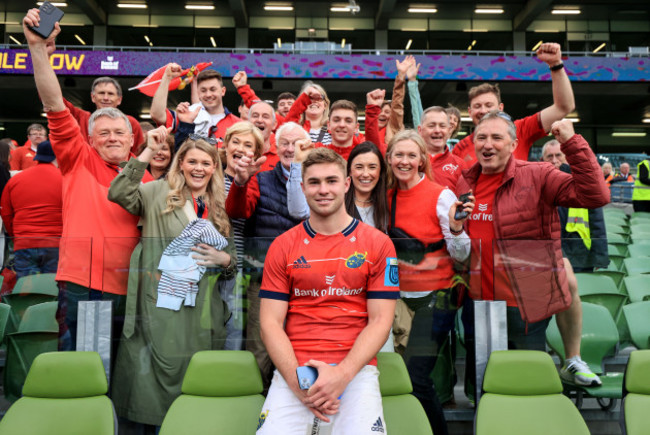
point(271, 217)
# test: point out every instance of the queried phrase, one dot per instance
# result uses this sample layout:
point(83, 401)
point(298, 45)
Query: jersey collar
point(346, 231)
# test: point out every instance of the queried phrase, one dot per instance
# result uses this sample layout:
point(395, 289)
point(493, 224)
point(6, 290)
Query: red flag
point(150, 84)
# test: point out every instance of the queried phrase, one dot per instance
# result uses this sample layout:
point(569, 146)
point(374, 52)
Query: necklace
point(363, 201)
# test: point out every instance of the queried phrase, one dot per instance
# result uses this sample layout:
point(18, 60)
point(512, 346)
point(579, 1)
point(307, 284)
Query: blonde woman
point(311, 110)
point(241, 140)
point(157, 341)
point(427, 239)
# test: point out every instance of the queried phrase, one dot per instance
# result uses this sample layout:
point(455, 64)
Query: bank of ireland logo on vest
point(391, 274)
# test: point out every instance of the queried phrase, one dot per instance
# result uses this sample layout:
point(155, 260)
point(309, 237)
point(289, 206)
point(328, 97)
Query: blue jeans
point(32, 261)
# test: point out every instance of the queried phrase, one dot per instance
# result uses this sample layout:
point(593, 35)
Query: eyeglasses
point(39, 133)
point(210, 140)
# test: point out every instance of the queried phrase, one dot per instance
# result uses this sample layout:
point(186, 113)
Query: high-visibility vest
point(578, 222)
point(641, 191)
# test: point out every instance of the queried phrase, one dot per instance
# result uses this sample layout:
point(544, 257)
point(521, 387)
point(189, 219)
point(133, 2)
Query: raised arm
point(240, 80)
point(155, 140)
point(159, 101)
point(414, 93)
point(46, 82)
point(374, 99)
point(563, 99)
point(585, 186)
point(396, 120)
point(126, 188)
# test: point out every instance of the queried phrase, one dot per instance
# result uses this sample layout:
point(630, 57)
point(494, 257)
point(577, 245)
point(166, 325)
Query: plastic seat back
point(64, 393)
point(638, 287)
point(4, 318)
point(616, 261)
point(638, 250)
point(38, 333)
point(614, 211)
point(403, 412)
point(613, 228)
point(615, 219)
point(221, 389)
point(19, 304)
point(43, 284)
point(523, 395)
point(635, 419)
point(589, 283)
point(640, 237)
point(617, 239)
point(617, 249)
point(600, 289)
point(640, 219)
point(640, 227)
point(637, 265)
point(616, 275)
point(637, 316)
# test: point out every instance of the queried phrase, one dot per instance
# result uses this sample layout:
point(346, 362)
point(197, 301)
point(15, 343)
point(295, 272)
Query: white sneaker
point(576, 371)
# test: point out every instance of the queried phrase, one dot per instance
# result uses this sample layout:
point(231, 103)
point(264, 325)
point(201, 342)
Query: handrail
point(525, 53)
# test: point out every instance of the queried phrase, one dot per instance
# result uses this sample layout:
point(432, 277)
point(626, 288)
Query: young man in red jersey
point(334, 281)
point(487, 97)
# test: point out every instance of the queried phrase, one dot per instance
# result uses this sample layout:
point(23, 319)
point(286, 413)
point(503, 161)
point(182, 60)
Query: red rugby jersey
point(327, 280)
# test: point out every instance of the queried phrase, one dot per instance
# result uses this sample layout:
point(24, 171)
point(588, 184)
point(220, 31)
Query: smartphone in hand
point(306, 376)
point(460, 213)
point(49, 15)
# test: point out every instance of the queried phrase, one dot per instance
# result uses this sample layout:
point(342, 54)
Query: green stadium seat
point(616, 261)
point(640, 227)
point(617, 239)
point(599, 339)
point(617, 249)
point(601, 290)
point(38, 333)
point(64, 393)
point(4, 317)
point(523, 395)
point(29, 290)
point(614, 211)
point(614, 274)
point(403, 412)
point(42, 284)
point(637, 265)
point(638, 250)
point(640, 237)
point(221, 392)
point(640, 219)
point(638, 321)
point(638, 287)
point(612, 228)
point(616, 219)
point(640, 214)
point(635, 419)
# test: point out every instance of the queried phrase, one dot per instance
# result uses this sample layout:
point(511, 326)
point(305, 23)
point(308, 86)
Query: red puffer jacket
point(527, 228)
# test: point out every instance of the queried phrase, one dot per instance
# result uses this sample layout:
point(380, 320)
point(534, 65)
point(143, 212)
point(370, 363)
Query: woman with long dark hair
point(366, 198)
